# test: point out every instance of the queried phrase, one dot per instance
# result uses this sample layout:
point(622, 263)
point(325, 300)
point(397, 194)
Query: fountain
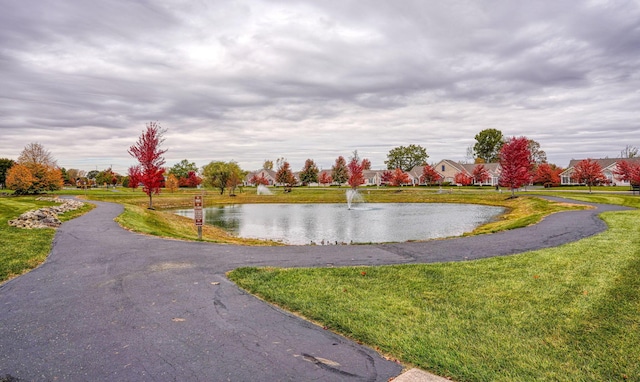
point(263, 190)
point(353, 196)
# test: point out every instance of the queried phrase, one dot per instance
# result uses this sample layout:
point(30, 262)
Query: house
point(608, 165)
point(372, 177)
point(269, 175)
point(448, 170)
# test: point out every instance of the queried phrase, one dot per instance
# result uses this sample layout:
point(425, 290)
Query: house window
point(442, 168)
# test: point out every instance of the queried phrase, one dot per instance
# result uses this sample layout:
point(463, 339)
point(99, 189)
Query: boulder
point(46, 217)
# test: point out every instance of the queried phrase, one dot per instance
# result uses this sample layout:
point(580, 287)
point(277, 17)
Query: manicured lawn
point(22, 249)
point(570, 313)
point(521, 211)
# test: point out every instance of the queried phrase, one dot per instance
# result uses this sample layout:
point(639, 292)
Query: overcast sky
point(255, 80)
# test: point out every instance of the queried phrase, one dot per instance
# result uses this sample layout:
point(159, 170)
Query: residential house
point(269, 175)
point(608, 166)
point(448, 170)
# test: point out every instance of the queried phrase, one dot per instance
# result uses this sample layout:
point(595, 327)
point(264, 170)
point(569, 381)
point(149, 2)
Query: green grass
point(520, 212)
point(22, 249)
point(164, 224)
point(570, 313)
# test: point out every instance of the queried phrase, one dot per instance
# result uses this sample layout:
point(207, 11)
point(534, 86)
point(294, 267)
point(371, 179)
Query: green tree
point(538, 156)
point(309, 173)
point(5, 165)
point(406, 158)
point(267, 165)
point(488, 145)
point(220, 175)
point(339, 171)
point(107, 177)
point(93, 174)
point(181, 170)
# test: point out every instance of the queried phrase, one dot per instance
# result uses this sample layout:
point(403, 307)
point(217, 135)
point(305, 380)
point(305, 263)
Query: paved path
point(112, 305)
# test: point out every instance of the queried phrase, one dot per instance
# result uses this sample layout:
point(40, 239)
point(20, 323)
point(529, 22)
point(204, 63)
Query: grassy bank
point(520, 212)
point(570, 313)
point(21, 249)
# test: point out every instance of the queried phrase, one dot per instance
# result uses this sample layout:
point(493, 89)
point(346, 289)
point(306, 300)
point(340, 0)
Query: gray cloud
point(255, 80)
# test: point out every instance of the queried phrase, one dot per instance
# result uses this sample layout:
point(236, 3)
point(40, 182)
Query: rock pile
point(46, 217)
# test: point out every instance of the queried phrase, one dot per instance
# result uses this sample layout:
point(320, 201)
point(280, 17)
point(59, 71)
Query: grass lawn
point(521, 211)
point(570, 313)
point(21, 249)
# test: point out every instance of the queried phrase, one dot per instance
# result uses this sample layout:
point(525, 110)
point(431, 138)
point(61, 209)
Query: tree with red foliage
point(258, 180)
point(628, 172)
point(547, 174)
point(325, 178)
point(463, 179)
point(399, 178)
point(430, 175)
point(284, 175)
point(147, 152)
point(356, 171)
point(193, 180)
point(480, 174)
point(589, 172)
point(134, 177)
point(386, 177)
point(515, 160)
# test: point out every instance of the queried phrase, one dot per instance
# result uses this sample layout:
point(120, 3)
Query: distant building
point(609, 166)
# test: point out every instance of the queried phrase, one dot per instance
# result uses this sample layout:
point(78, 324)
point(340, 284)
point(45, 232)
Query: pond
point(300, 224)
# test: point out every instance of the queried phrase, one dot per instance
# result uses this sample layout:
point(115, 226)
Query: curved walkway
point(109, 304)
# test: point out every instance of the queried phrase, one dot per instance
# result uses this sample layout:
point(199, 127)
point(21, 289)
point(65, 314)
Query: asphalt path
point(111, 305)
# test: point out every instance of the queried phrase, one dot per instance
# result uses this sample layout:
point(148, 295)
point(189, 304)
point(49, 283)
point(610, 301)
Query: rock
point(46, 217)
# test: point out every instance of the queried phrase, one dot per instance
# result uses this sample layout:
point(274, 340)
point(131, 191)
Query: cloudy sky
point(250, 80)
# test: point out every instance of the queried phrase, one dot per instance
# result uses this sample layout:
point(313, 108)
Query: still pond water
point(300, 224)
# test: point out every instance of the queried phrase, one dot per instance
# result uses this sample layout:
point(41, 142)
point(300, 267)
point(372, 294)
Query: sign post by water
point(198, 214)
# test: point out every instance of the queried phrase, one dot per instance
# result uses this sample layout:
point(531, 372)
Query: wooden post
point(198, 214)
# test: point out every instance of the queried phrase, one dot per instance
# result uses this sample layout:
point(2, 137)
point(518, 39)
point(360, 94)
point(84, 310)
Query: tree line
point(522, 161)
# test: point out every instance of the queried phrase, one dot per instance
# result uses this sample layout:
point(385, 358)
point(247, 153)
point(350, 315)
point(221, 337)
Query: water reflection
point(334, 223)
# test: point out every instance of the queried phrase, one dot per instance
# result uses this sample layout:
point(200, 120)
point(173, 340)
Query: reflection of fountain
point(353, 196)
point(263, 190)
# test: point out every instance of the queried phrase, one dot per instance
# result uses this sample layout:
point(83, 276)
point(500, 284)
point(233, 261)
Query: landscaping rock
point(46, 217)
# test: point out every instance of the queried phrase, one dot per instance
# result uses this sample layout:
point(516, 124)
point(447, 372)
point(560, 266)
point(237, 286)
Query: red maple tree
point(147, 152)
point(463, 179)
point(480, 174)
point(257, 180)
point(191, 180)
point(386, 177)
point(589, 172)
point(325, 178)
point(399, 178)
point(356, 172)
point(515, 160)
point(430, 175)
point(285, 176)
point(628, 172)
point(547, 175)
